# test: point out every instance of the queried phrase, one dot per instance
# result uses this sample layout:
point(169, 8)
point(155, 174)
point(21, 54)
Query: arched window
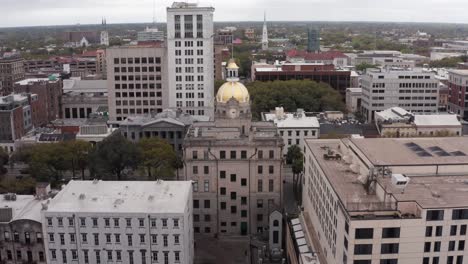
point(276, 223)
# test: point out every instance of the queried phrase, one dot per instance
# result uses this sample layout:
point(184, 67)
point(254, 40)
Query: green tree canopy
point(364, 66)
point(114, 155)
point(306, 94)
point(156, 153)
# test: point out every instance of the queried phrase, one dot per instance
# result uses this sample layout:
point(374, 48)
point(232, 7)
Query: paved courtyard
point(225, 251)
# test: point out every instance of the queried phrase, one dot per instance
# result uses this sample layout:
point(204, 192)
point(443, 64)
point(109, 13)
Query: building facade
point(81, 98)
point(21, 230)
point(353, 99)
point(294, 128)
point(136, 81)
point(457, 98)
point(11, 71)
point(412, 90)
point(386, 200)
point(16, 116)
point(49, 92)
point(236, 166)
point(313, 40)
point(190, 58)
point(128, 222)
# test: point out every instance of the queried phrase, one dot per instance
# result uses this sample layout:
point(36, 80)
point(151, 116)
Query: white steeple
point(265, 34)
point(104, 33)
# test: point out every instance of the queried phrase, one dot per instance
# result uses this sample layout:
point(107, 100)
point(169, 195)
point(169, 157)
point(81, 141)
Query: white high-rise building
point(120, 222)
point(265, 34)
point(190, 58)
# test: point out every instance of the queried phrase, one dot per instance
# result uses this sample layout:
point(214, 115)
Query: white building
point(390, 200)
point(294, 127)
point(397, 122)
point(190, 58)
point(413, 90)
point(122, 222)
point(150, 35)
point(353, 99)
point(264, 34)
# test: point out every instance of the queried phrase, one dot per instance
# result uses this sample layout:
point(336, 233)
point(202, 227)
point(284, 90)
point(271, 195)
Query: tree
point(114, 155)
point(364, 66)
point(306, 94)
point(4, 157)
point(78, 155)
point(48, 162)
point(156, 153)
point(295, 157)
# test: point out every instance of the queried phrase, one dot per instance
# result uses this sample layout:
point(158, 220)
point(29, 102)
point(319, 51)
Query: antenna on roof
point(154, 12)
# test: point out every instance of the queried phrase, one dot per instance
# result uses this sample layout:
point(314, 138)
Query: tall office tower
point(136, 80)
point(265, 34)
point(190, 58)
point(313, 40)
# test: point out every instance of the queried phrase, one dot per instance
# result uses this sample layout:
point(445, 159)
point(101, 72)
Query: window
point(428, 231)
point(116, 222)
point(233, 177)
point(243, 182)
point(62, 239)
point(109, 255)
point(453, 230)
point(260, 154)
point(271, 169)
point(165, 240)
point(362, 261)
point(222, 174)
point(233, 195)
point(463, 230)
point(260, 169)
point(459, 259)
point(427, 247)
point(259, 186)
point(435, 215)
point(108, 238)
point(129, 222)
point(142, 238)
point(435, 260)
point(196, 204)
point(390, 248)
point(271, 185)
point(271, 154)
point(207, 204)
point(363, 249)
point(460, 214)
point(95, 222)
point(96, 239)
point(438, 231)
point(364, 233)
point(222, 154)
point(233, 154)
point(82, 221)
point(130, 239)
point(259, 203)
point(164, 222)
point(461, 245)
point(60, 221)
point(389, 261)
point(176, 239)
point(70, 221)
point(195, 169)
point(243, 154)
point(117, 238)
point(154, 256)
point(391, 232)
point(233, 209)
point(206, 185)
point(451, 246)
point(206, 169)
point(118, 255)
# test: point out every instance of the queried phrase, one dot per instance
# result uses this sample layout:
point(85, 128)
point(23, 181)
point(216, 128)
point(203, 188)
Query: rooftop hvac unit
point(10, 197)
point(400, 181)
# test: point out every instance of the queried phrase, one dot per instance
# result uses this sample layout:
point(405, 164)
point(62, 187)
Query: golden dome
point(234, 90)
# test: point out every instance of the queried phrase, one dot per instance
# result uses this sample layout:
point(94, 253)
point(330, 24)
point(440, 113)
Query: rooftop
point(32, 80)
point(167, 115)
point(328, 55)
point(123, 197)
point(292, 120)
point(436, 120)
point(86, 86)
point(459, 72)
point(24, 207)
point(414, 151)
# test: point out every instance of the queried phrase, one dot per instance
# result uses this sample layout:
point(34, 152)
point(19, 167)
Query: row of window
point(126, 111)
point(234, 154)
point(438, 215)
point(136, 69)
point(72, 257)
point(20, 256)
point(138, 78)
point(385, 248)
point(108, 239)
point(27, 237)
point(137, 60)
point(298, 133)
point(106, 222)
point(222, 175)
point(450, 247)
point(138, 86)
point(138, 94)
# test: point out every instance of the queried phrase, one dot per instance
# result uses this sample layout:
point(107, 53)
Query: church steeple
point(265, 33)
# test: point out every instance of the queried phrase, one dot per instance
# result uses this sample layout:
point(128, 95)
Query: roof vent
point(400, 181)
point(82, 196)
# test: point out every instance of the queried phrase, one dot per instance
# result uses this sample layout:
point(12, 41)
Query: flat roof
point(459, 72)
point(25, 207)
point(291, 121)
point(410, 151)
point(122, 197)
point(437, 120)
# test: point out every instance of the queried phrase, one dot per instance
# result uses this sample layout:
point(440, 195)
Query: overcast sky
point(67, 12)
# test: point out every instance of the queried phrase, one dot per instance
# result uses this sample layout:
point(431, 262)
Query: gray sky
point(66, 12)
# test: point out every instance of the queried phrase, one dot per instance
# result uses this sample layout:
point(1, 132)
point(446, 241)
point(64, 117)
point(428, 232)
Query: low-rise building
point(294, 128)
point(150, 35)
point(319, 72)
point(128, 222)
point(83, 97)
point(353, 99)
point(169, 125)
point(22, 240)
point(386, 200)
point(397, 122)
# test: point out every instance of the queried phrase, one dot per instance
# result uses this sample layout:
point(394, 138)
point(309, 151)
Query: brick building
point(11, 71)
point(458, 99)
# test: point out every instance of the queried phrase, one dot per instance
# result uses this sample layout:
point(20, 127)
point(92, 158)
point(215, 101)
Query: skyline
point(24, 13)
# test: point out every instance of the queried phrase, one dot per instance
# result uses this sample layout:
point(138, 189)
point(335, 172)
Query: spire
point(264, 33)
